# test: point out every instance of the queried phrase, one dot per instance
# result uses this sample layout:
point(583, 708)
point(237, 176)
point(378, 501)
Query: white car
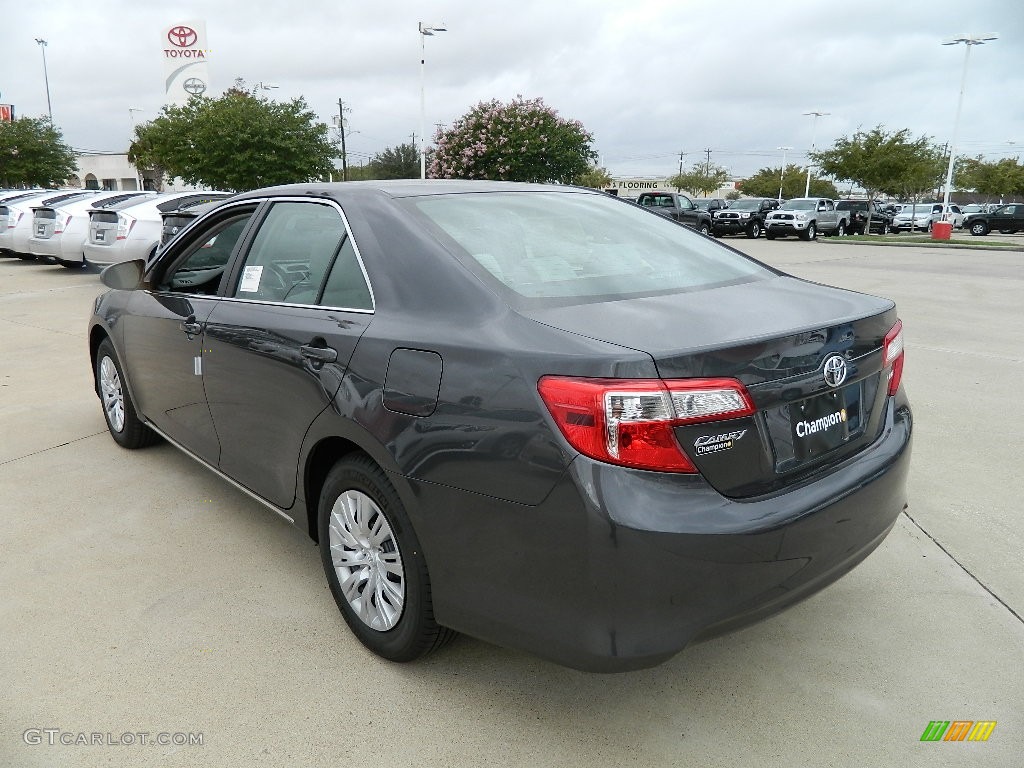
point(126, 232)
point(59, 230)
point(924, 215)
point(16, 217)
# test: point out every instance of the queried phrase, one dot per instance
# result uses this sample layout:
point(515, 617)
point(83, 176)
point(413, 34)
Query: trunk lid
point(775, 336)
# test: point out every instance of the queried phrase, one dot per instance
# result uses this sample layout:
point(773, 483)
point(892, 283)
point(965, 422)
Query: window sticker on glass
point(251, 279)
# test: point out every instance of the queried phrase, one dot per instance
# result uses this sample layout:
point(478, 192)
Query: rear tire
point(374, 563)
point(124, 424)
point(841, 229)
point(71, 264)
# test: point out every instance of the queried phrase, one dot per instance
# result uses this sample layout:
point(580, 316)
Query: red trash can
point(941, 230)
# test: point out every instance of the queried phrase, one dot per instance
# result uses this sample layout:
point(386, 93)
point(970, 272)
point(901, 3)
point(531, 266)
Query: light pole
point(46, 77)
point(968, 41)
point(783, 174)
point(814, 129)
point(425, 31)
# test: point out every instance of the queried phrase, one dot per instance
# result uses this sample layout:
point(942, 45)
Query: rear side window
point(291, 253)
point(553, 245)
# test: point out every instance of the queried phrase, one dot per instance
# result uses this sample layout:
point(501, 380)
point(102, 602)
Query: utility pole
point(707, 168)
point(341, 130)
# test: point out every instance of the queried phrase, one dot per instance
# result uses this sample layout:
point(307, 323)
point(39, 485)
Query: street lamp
point(968, 41)
point(46, 77)
point(425, 31)
point(814, 129)
point(783, 174)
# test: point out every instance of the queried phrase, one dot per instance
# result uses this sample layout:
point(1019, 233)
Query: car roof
point(398, 188)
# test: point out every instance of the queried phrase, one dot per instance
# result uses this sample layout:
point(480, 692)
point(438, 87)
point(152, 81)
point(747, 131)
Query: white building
point(113, 171)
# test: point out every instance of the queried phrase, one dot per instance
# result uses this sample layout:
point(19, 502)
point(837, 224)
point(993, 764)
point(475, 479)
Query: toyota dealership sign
point(185, 53)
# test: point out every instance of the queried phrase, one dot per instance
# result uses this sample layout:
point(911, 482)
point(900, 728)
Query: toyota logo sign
point(194, 86)
point(182, 36)
point(835, 371)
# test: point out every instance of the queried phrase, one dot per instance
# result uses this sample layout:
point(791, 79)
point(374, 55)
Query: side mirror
point(124, 276)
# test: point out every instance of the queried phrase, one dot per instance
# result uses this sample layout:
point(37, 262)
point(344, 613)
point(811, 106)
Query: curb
point(939, 245)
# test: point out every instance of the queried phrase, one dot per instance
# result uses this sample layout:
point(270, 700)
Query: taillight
point(893, 351)
point(630, 421)
point(124, 225)
point(63, 219)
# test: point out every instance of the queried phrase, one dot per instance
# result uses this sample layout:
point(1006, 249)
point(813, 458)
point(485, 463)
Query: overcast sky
point(648, 78)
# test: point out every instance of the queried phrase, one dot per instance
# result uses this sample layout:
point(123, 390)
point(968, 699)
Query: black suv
point(881, 222)
point(1006, 219)
point(745, 215)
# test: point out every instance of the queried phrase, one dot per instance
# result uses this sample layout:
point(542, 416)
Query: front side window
point(200, 268)
point(291, 253)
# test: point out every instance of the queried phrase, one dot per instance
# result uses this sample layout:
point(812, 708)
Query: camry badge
point(835, 371)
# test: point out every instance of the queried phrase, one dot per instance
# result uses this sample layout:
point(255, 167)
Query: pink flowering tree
point(524, 140)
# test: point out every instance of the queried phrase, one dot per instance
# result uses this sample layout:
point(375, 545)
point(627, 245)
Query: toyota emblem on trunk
point(835, 371)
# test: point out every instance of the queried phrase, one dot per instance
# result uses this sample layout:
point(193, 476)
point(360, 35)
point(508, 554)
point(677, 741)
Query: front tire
point(811, 232)
point(705, 229)
point(754, 231)
point(124, 424)
point(374, 563)
point(979, 228)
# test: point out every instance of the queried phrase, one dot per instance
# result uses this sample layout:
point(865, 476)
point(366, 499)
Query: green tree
point(700, 179)
point(33, 153)
point(595, 178)
point(765, 183)
point(1002, 178)
point(881, 162)
point(524, 140)
point(236, 142)
point(401, 162)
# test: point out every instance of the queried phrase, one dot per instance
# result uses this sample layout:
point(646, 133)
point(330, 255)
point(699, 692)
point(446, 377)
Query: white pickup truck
point(806, 217)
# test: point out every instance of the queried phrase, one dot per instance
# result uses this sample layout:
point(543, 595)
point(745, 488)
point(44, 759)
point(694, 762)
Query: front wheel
point(811, 232)
point(885, 228)
point(374, 563)
point(769, 235)
point(841, 229)
point(754, 231)
point(705, 229)
point(125, 426)
point(979, 228)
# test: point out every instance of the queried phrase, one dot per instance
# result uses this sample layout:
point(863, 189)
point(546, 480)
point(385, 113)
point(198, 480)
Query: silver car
point(16, 217)
point(133, 232)
point(59, 230)
point(924, 215)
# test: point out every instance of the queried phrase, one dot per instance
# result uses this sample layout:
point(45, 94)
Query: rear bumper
point(621, 569)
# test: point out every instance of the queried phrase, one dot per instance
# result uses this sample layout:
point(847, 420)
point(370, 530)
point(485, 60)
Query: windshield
point(745, 205)
point(554, 245)
point(801, 204)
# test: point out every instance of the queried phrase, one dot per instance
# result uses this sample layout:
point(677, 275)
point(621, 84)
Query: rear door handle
point(319, 354)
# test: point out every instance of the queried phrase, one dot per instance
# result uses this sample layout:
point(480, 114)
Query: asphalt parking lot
point(143, 595)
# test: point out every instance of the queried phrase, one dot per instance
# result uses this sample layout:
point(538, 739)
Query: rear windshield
point(553, 245)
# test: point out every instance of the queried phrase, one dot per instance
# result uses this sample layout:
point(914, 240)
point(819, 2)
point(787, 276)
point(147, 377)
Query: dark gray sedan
point(537, 415)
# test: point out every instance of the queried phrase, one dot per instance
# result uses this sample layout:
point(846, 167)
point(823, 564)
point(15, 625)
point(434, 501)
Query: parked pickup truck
point(806, 217)
point(745, 216)
point(858, 212)
point(677, 207)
